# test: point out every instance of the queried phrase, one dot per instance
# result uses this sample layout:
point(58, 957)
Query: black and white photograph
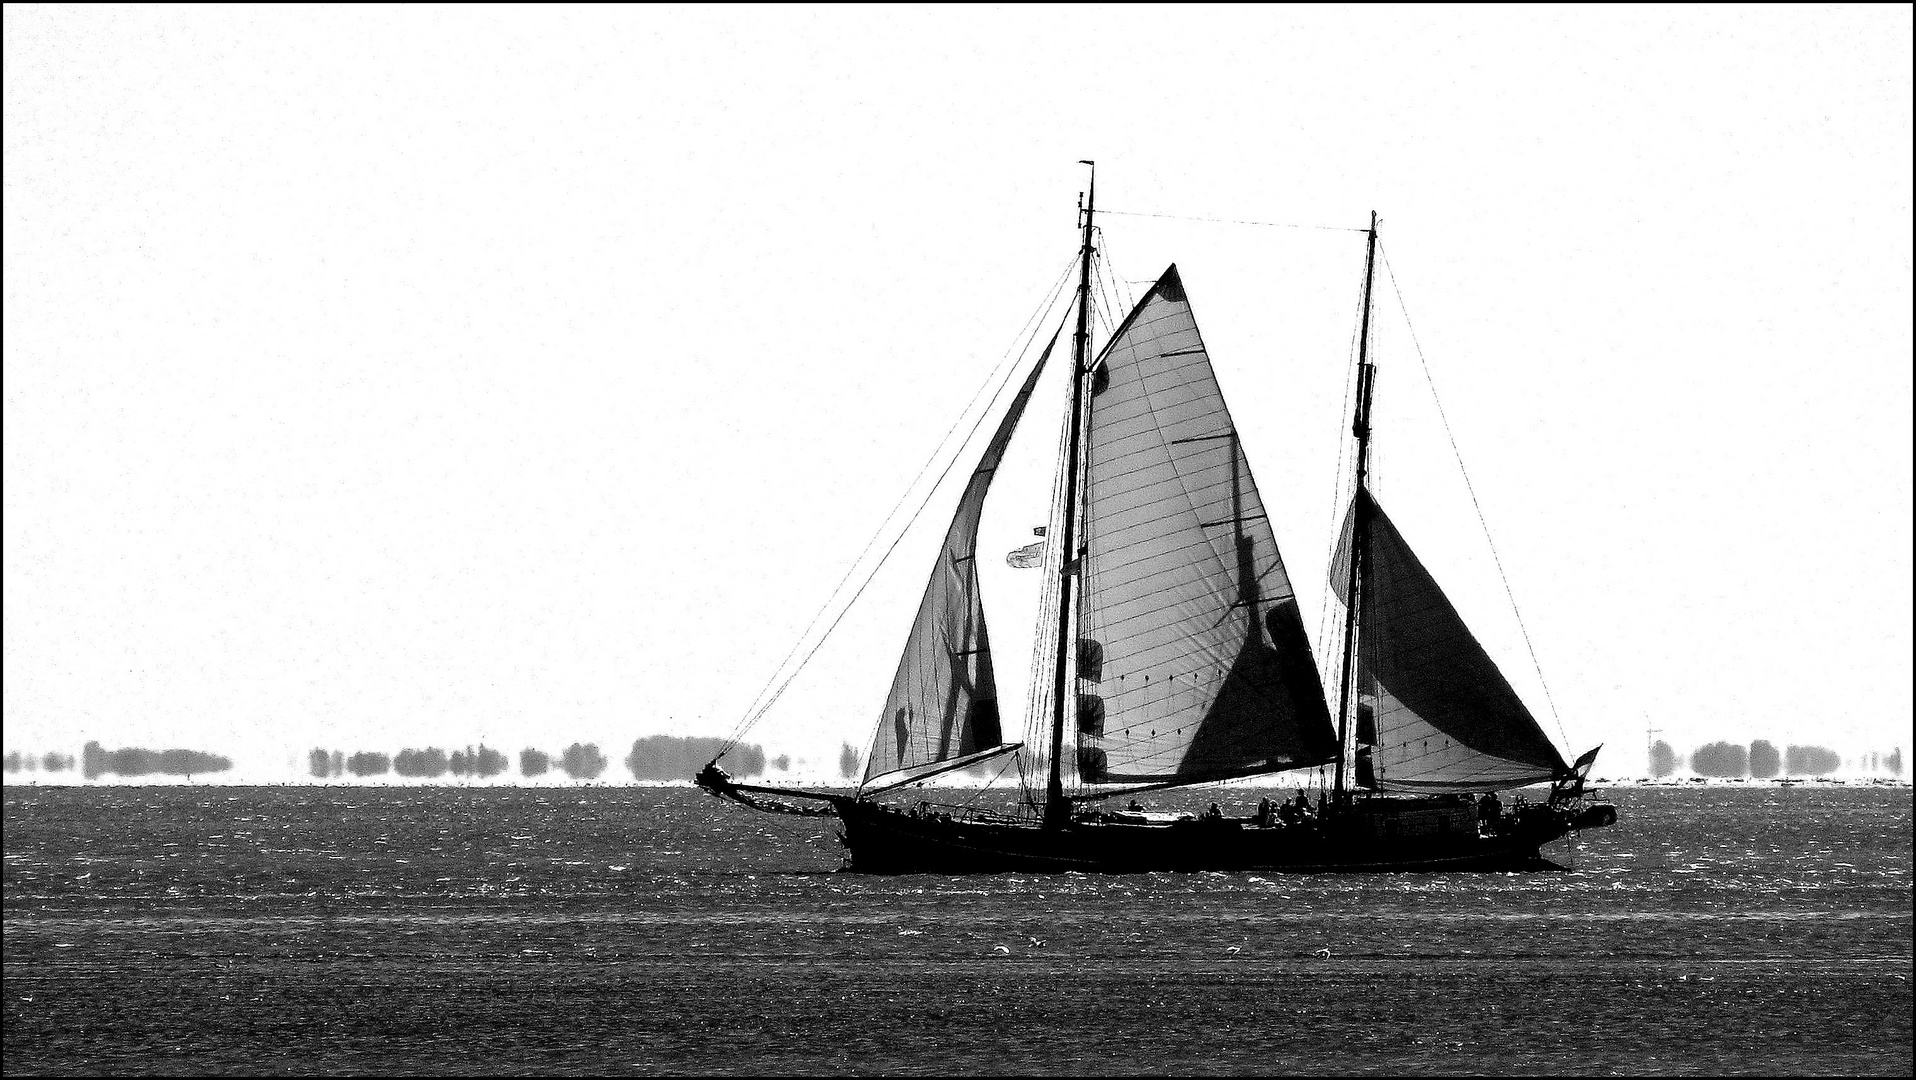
point(937, 540)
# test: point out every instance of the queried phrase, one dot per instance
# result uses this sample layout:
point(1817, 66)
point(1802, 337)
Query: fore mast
point(1057, 808)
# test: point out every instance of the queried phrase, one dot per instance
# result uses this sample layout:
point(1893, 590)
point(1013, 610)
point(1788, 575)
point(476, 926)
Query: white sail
point(942, 711)
point(1193, 663)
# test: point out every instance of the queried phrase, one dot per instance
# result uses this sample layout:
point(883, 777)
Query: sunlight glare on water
point(643, 930)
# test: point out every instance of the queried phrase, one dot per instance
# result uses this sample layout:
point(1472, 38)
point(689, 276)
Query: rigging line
point(976, 424)
point(1044, 648)
point(754, 710)
point(1119, 287)
point(1468, 486)
point(1112, 314)
point(1101, 279)
point(1101, 318)
point(1108, 279)
point(1233, 221)
point(1028, 324)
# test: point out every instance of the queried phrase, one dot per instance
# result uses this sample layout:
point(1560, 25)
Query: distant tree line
point(430, 762)
point(322, 763)
point(367, 763)
point(666, 757)
point(1762, 760)
point(134, 761)
point(483, 762)
point(1720, 759)
point(49, 762)
point(580, 761)
point(1811, 760)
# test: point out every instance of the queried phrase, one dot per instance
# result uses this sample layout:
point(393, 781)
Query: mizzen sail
point(942, 711)
point(1192, 660)
point(1433, 711)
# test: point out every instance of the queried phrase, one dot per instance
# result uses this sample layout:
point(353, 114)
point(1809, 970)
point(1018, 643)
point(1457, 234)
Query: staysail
point(942, 711)
point(1192, 660)
point(1433, 712)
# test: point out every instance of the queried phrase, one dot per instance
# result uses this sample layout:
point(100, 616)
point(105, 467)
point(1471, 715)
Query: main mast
point(1360, 427)
point(1057, 809)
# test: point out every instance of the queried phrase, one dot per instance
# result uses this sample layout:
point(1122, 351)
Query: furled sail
point(1431, 704)
point(942, 711)
point(1193, 663)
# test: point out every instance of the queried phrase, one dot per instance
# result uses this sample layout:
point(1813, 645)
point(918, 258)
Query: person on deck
point(1214, 814)
point(1490, 811)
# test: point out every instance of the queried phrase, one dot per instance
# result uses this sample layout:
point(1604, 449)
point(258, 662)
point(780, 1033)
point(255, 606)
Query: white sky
point(390, 377)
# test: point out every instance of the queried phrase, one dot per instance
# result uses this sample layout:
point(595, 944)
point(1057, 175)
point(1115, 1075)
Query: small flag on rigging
point(1026, 557)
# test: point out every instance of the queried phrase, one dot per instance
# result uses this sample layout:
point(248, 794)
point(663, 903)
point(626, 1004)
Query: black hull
point(882, 840)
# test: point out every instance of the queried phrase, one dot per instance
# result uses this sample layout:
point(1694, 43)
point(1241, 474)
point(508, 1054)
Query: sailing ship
point(1174, 655)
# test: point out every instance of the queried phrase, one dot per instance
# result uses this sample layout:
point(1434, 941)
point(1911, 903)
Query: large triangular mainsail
point(942, 711)
point(1193, 663)
point(1433, 712)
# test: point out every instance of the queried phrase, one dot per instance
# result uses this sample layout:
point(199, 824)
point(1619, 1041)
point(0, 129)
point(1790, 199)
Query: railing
point(960, 812)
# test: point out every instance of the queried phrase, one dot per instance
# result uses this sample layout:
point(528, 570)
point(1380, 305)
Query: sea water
point(649, 930)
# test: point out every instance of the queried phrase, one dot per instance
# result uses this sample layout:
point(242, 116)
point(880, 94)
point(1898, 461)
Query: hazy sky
point(384, 377)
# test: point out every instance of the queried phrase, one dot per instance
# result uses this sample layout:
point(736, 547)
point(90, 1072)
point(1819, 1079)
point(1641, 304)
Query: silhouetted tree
point(428, 762)
point(461, 762)
point(367, 763)
point(93, 762)
point(1720, 759)
point(582, 761)
point(1765, 762)
point(57, 762)
point(188, 762)
point(534, 762)
point(1662, 759)
point(848, 761)
point(319, 763)
point(489, 762)
point(744, 760)
point(1893, 761)
point(13, 761)
point(1811, 760)
point(782, 762)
